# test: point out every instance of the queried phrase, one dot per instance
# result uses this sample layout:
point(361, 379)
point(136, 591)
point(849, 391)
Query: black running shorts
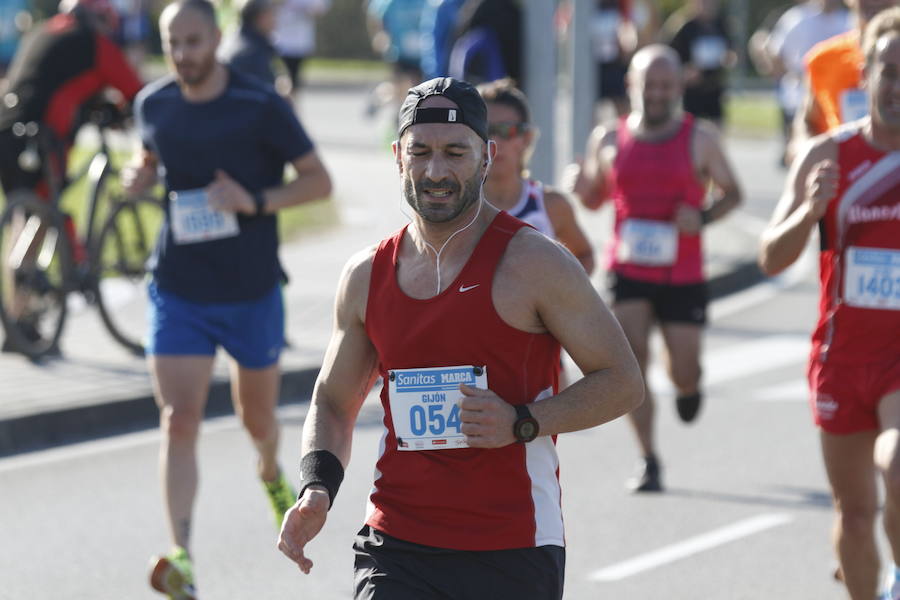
point(390, 569)
point(671, 303)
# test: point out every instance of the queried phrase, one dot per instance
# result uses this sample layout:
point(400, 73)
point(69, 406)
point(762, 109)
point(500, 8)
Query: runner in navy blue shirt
point(221, 141)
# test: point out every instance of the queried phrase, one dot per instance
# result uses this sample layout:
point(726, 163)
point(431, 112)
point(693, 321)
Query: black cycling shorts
point(671, 303)
point(390, 569)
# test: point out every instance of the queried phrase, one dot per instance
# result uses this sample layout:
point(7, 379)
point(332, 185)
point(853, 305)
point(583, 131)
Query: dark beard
point(471, 192)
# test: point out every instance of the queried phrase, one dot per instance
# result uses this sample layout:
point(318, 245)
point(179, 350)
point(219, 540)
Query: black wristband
point(259, 199)
point(321, 467)
point(705, 217)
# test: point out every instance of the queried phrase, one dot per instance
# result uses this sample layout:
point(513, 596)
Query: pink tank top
point(649, 181)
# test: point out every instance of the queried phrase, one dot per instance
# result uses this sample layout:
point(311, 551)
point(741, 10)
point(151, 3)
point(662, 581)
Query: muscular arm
point(348, 369)
point(567, 229)
point(557, 291)
point(810, 185)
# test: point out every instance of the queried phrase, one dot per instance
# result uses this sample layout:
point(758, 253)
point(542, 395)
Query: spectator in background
point(613, 40)
point(700, 36)
point(14, 19)
point(250, 49)
point(295, 36)
point(134, 29)
point(780, 53)
point(438, 24)
point(488, 42)
point(394, 26)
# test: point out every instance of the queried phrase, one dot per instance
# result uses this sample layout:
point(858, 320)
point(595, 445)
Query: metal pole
point(540, 68)
point(583, 80)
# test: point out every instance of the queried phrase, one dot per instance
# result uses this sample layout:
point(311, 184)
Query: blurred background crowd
point(725, 44)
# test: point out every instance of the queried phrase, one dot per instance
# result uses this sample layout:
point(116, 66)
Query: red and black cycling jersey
point(57, 69)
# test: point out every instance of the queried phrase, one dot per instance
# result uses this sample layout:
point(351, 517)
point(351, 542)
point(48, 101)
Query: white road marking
point(794, 390)
point(688, 547)
point(736, 361)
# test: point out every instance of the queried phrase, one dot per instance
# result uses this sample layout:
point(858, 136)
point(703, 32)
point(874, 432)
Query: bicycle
point(46, 258)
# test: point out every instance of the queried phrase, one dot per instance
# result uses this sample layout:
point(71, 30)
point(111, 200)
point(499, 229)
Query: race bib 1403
point(194, 220)
point(872, 278)
point(425, 405)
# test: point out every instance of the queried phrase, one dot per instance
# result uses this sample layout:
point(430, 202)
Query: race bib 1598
point(425, 405)
point(194, 220)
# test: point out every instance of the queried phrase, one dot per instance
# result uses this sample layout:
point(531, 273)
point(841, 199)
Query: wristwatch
point(526, 427)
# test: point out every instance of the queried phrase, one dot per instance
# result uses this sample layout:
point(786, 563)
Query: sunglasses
point(506, 130)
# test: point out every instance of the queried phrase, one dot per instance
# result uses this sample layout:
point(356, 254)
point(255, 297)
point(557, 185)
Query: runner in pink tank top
point(846, 186)
point(656, 165)
point(461, 315)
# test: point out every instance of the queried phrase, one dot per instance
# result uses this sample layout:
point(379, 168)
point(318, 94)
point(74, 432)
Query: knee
point(180, 424)
point(857, 522)
point(260, 426)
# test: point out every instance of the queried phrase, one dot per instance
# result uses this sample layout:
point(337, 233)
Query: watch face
point(527, 430)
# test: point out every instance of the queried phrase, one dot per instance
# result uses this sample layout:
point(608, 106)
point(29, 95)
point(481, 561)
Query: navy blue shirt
point(250, 133)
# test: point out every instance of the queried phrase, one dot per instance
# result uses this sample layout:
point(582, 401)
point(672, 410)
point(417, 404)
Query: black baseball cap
point(470, 108)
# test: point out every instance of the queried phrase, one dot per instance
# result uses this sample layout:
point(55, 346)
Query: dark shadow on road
point(797, 498)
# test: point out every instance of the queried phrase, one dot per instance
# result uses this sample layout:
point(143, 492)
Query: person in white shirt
point(295, 35)
point(781, 52)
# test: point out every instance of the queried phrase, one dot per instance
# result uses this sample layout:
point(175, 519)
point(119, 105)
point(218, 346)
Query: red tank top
point(859, 262)
point(463, 498)
point(649, 181)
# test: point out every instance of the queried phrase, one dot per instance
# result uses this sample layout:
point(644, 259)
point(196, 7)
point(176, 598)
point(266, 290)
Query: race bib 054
point(425, 405)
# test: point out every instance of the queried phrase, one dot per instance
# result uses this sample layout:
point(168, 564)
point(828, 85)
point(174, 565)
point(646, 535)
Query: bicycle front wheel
point(35, 276)
point(120, 262)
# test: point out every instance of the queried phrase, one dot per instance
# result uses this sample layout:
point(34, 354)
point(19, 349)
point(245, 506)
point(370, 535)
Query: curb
point(78, 424)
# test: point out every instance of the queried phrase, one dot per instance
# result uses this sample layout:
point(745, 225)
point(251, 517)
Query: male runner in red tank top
point(462, 314)
point(656, 165)
point(847, 185)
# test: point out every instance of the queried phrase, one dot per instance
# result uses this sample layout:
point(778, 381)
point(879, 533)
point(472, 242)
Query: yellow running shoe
point(173, 575)
point(282, 496)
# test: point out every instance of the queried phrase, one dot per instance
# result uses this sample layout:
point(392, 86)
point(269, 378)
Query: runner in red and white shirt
point(466, 494)
point(847, 186)
point(656, 166)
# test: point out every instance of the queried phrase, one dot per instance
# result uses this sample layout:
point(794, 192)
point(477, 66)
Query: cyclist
point(467, 498)
point(215, 273)
point(846, 185)
point(56, 71)
point(657, 164)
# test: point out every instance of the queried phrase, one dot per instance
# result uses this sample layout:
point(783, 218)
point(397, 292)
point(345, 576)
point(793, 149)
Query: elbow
point(324, 186)
point(768, 267)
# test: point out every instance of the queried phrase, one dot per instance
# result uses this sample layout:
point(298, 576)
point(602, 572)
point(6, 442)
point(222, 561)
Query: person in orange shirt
point(834, 74)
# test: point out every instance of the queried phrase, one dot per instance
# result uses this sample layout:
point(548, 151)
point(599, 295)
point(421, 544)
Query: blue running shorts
point(252, 332)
